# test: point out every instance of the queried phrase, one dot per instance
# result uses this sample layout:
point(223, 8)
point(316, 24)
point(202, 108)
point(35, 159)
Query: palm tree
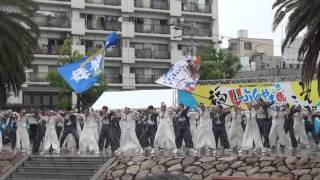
point(18, 36)
point(303, 16)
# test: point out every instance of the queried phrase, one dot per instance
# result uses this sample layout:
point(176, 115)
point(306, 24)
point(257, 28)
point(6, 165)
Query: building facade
point(154, 35)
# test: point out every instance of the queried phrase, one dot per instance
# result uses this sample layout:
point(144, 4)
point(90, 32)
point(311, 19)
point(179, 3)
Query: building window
point(267, 65)
point(248, 45)
point(283, 65)
point(298, 66)
point(233, 46)
point(291, 66)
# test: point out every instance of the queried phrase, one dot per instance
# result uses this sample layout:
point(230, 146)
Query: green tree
point(303, 16)
point(57, 81)
point(217, 65)
point(18, 36)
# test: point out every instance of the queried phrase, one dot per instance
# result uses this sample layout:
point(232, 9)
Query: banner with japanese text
point(291, 92)
point(184, 74)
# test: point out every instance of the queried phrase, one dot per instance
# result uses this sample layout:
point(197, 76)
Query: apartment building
point(154, 35)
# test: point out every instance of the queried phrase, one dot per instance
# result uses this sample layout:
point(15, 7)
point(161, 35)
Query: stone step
point(63, 164)
point(70, 170)
point(68, 159)
point(41, 175)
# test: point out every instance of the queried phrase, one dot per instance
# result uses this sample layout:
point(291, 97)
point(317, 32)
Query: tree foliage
point(18, 36)
point(217, 65)
point(57, 81)
point(303, 16)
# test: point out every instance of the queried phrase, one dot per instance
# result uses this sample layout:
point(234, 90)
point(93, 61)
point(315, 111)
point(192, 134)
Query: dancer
point(218, 115)
point(299, 126)
point(129, 140)
point(263, 121)
point(149, 132)
point(288, 127)
point(183, 128)
point(205, 137)
point(228, 122)
point(165, 137)
point(193, 120)
point(140, 124)
point(22, 135)
point(107, 132)
point(10, 129)
point(236, 130)
point(251, 133)
point(51, 138)
point(89, 133)
point(70, 127)
point(277, 128)
point(41, 130)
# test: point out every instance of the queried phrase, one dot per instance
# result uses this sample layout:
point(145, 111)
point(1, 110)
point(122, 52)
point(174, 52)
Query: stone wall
point(127, 168)
point(8, 160)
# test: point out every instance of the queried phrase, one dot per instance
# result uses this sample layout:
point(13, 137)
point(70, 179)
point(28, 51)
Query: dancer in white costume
point(236, 131)
point(251, 133)
point(22, 135)
point(299, 127)
point(165, 137)
point(128, 139)
point(88, 137)
point(277, 128)
point(228, 122)
point(193, 120)
point(205, 137)
point(50, 137)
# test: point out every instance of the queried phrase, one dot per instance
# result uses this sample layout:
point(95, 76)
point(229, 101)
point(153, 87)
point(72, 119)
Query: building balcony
point(105, 2)
point(105, 26)
point(152, 28)
point(114, 78)
point(47, 21)
point(154, 4)
point(149, 54)
point(200, 32)
point(195, 7)
point(146, 79)
point(37, 77)
point(113, 52)
point(52, 50)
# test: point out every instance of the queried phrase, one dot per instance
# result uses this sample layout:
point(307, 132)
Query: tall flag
point(85, 72)
point(183, 75)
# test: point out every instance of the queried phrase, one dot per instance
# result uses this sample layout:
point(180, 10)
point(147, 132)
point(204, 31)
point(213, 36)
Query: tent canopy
point(136, 99)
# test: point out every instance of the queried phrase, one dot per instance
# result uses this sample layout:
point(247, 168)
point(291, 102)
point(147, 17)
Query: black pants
point(183, 133)
point(310, 128)
point(67, 130)
point(220, 133)
point(10, 137)
point(117, 132)
point(288, 127)
point(107, 135)
point(59, 129)
point(148, 135)
point(41, 130)
point(139, 130)
point(264, 128)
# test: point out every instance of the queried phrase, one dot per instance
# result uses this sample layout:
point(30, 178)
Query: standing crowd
point(262, 126)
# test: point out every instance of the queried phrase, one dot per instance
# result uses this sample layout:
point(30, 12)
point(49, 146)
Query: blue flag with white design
point(111, 40)
point(84, 73)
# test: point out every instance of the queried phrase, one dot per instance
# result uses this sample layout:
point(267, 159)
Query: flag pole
point(207, 98)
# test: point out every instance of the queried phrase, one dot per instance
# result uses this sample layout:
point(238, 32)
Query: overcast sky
point(254, 15)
